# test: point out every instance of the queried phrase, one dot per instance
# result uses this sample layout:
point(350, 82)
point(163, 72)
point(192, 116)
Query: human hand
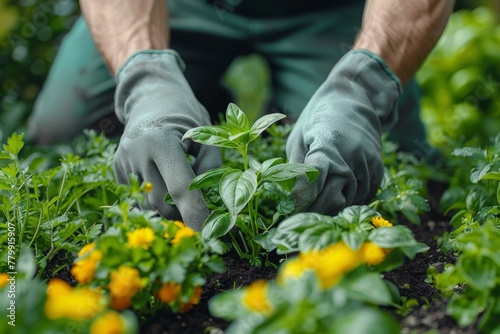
point(339, 133)
point(122, 27)
point(157, 106)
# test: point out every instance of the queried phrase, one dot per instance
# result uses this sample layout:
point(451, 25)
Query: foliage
point(237, 191)
point(142, 256)
point(37, 308)
point(54, 210)
point(473, 281)
point(403, 186)
point(460, 81)
point(299, 301)
point(475, 203)
point(355, 226)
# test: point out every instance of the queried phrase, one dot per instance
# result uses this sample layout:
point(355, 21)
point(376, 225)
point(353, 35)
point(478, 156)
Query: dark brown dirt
point(239, 273)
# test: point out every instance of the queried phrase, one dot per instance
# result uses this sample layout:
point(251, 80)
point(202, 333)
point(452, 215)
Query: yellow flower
point(3, 279)
point(125, 282)
point(148, 186)
point(141, 237)
point(371, 253)
point(195, 299)
point(182, 232)
point(380, 222)
point(255, 297)
point(168, 292)
point(57, 287)
point(86, 249)
point(333, 262)
point(293, 268)
point(84, 269)
point(64, 301)
point(179, 224)
point(109, 323)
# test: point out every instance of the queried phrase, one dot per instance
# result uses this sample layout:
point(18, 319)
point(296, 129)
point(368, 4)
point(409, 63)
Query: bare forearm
point(403, 32)
point(123, 27)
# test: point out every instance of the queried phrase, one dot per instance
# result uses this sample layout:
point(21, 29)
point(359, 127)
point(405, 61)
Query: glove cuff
point(382, 87)
point(143, 68)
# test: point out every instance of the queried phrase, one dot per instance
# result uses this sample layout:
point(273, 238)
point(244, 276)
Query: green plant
point(475, 201)
point(32, 306)
point(146, 262)
point(54, 210)
point(472, 283)
point(235, 193)
point(400, 192)
point(355, 225)
point(325, 291)
point(460, 81)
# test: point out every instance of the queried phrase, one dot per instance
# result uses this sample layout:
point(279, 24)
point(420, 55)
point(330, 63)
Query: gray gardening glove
point(157, 106)
point(339, 133)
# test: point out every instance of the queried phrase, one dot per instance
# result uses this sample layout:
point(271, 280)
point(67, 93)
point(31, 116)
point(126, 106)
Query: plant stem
point(235, 244)
point(244, 154)
point(24, 183)
point(60, 190)
point(37, 228)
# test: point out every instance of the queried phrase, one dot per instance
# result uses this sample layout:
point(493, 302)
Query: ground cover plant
point(78, 255)
point(123, 259)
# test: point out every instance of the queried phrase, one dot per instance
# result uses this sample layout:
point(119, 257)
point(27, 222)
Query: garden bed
point(428, 315)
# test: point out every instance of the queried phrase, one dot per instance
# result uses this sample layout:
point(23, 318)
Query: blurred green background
point(460, 79)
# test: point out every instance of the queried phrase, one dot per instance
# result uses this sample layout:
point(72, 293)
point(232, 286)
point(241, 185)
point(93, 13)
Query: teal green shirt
point(277, 8)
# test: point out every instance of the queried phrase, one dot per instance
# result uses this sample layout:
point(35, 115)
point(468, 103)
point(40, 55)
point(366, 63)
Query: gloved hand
point(339, 132)
point(157, 106)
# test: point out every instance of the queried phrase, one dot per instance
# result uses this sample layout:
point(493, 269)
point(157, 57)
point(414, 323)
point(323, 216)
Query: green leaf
point(208, 179)
point(318, 237)
point(228, 305)
point(14, 143)
point(263, 123)
point(240, 138)
point(288, 171)
point(357, 214)
point(237, 121)
point(367, 287)
point(364, 320)
point(479, 270)
point(215, 245)
point(477, 199)
point(411, 216)
point(411, 251)
point(271, 162)
point(466, 151)
point(216, 264)
point(265, 240)
point(477, 173)
point(489, 320)
point(392, 237)
point(466, 308)
point(290, 230)
point(217, 225)
point(492, 176)
point(498, 193)
point(211, 135)
point(255, 165)
point(354, 239)
point(237, 189)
